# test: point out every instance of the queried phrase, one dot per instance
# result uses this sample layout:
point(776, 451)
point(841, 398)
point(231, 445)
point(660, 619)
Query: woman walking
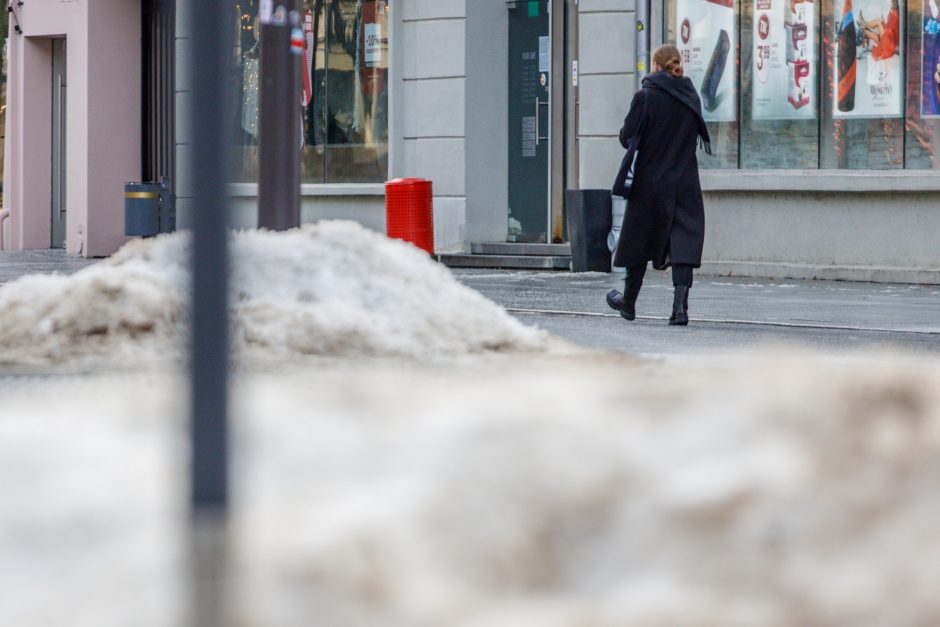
point(665, 219)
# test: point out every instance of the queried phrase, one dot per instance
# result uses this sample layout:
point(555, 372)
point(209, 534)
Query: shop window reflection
point(344, 90)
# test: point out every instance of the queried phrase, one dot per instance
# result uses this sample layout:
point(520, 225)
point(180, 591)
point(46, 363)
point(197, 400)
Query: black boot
point(680, 306)
point(624, 303)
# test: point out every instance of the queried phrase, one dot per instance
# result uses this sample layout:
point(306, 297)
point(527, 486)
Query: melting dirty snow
point(583, 490)
point(333, 289)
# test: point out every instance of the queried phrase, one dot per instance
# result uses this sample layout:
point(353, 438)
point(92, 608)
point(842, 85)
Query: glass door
point(529, 120)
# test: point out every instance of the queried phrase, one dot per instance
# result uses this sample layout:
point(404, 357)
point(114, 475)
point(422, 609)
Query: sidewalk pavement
point(14, 264)
point(727, 314)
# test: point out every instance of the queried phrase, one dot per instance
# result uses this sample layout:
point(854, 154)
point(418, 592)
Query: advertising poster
point(930, 66)
point(705, 38)
point(867, 59)
point(784, 85)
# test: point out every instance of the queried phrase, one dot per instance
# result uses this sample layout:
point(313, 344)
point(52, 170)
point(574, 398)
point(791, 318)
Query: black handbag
point(623, 183)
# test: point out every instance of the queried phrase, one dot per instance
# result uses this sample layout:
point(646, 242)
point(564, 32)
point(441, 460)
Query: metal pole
point(642, 41)
point(211, 46)
point(280, 126)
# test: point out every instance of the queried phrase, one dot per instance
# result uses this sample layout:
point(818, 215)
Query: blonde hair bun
point(667, 57)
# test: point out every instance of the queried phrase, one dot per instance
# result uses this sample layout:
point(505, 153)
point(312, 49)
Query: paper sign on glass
point(373, 35)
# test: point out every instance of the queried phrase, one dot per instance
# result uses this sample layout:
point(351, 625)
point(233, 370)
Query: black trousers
point(681, 275)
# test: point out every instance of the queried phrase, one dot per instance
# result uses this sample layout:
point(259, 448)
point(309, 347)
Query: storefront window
point(705, 33)
point(863, 85)
point(780, 125)
point(819, 83)
point(344, 125)
point(923, 85)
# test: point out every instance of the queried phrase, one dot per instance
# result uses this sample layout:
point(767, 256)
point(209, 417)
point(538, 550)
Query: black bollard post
point(280, 130)
point(209, 350)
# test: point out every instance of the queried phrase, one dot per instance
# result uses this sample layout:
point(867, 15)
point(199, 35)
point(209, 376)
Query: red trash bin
point(409, 212)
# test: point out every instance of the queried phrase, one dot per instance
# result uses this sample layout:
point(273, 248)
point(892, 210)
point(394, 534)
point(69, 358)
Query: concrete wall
point(857, 237)
point(605, 86)
point(487, 121)
point(183, 110)
point(103, 121)
point(856, 225)
point(430, 95)
point(364, 204)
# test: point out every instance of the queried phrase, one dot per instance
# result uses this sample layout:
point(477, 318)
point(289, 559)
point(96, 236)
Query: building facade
point(824, 118)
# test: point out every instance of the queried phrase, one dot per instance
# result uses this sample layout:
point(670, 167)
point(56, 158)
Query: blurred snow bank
point(333, 288)
point(787, 490)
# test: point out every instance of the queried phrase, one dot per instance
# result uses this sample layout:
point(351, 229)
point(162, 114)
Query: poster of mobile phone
point(706, 41)
point(930, 61)
point(868, 59)
point(784, 58)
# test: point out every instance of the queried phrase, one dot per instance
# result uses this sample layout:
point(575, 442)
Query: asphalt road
point(728, 315)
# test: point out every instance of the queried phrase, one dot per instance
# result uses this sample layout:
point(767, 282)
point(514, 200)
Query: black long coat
point(665, 218)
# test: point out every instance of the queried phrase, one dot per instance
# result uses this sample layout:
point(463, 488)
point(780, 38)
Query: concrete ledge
point(820, 180)
point(244, 190)
point(771, 270)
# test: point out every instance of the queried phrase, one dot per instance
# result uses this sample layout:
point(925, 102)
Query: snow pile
point(92, 516)
point(330, 289)
point(794, 492)
point(785, 491)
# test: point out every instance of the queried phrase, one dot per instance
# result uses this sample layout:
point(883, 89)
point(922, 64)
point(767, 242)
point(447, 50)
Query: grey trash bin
point(148, 209)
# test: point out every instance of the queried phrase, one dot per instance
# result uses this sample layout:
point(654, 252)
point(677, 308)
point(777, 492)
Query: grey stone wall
point(430, 100)
point(183, 105)
point(487, 121)
point(605, 86)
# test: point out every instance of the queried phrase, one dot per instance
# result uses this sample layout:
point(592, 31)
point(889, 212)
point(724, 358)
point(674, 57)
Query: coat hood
point(682, 90)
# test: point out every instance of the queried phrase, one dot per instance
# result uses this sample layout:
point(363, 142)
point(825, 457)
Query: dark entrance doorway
point(157, 47)
point(529, 121)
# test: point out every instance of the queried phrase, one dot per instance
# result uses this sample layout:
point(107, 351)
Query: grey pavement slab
point(727, 314)
point(14, 264)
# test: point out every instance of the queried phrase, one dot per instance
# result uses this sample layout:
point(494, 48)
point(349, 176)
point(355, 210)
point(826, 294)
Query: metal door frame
point(572, 102)
point(58, 225)
point(556, 128)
